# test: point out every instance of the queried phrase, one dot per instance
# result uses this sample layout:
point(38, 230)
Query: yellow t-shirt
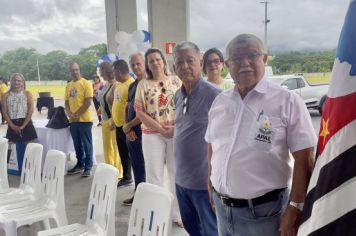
point(155, 98)
point(3, 89)
point(76, 92)
point(119, 103)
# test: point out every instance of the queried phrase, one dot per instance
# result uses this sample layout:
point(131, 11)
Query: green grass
point(318, 78)
point(57, 91)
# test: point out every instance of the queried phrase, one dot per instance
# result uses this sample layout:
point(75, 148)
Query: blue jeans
point(136, 155)
point(263, 219)
point(83, 145)
point(196, 212)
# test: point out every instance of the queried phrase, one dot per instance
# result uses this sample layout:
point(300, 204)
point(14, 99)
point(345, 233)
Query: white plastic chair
point(101, 209)
point(49, 205)
point(4, 183)
point(30, 183)
point(151, 211)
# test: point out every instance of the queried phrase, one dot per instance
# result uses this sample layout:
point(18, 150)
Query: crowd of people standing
point(225, 145)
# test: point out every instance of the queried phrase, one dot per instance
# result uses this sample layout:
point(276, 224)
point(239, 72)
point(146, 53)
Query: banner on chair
point(17, 152)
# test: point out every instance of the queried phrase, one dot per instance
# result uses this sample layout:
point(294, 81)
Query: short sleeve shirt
point(190, 148)
point(155, 98)
point(119, 103)
point(76, 92)
point(251, 139)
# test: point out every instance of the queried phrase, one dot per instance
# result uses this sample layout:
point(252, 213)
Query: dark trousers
point(137, 160)
point(83, 144)
point(124, 153)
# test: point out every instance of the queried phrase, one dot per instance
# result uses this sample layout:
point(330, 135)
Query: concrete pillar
point(121, 15)
point(168, 21)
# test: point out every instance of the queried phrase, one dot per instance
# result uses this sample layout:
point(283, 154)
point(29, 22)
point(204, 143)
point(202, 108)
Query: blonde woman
point(17, 105)
point(154, 107)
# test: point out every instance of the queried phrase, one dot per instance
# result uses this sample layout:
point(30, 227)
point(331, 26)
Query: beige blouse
point(155, 98)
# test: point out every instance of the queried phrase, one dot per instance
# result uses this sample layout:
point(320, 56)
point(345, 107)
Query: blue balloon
point(147, 35)
point(106, 58)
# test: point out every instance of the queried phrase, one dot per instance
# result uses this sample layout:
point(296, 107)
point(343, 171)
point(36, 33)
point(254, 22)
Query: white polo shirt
point(251, 139)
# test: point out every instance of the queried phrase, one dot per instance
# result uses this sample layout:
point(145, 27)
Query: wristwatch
point(298, 205)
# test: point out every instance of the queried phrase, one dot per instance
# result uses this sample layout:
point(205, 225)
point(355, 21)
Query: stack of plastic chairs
point(151, 211)
point(49, 204)
point(100, 219)
point(4, 183)
point(30, 183)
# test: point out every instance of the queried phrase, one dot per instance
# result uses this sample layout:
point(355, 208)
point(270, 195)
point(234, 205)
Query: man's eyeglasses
point(252, 57)
point(185, 105)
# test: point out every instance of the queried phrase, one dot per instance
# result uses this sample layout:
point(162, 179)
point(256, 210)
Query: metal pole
point(38, 73)
point(266, 21)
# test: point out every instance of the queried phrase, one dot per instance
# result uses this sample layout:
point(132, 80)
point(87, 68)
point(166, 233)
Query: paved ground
point(77, 189)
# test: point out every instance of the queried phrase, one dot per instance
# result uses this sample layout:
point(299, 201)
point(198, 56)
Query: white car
point(313, 95)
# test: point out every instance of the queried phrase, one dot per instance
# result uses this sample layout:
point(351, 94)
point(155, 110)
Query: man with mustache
point(252, 128)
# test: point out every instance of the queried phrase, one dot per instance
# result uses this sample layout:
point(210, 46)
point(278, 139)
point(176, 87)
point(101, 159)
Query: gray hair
point(136, 54)
point(244, 39)
point(186, 45)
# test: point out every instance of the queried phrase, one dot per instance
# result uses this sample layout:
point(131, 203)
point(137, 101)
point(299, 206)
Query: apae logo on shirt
point(265, 130)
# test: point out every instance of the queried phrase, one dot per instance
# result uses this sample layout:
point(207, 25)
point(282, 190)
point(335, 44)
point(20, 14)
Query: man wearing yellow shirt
point(121, 72)
point(3, 89)
point(78, 96)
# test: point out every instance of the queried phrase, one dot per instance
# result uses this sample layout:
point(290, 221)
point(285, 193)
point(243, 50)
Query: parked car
point(314, 95)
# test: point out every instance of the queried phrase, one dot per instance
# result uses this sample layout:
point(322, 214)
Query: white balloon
point(143, 47)
point(122, 37)
point(131, 48)
point(124, 56)
point(138, 36)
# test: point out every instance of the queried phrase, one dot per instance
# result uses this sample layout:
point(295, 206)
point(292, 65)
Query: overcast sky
point(70, 25)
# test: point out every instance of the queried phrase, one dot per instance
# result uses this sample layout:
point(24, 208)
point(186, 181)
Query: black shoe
point(124, 183)
point(128, 202)
point(75, 170)
point(86, 173)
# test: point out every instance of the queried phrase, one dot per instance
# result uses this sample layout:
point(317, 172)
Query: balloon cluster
point(107, 57)
point(137, 41)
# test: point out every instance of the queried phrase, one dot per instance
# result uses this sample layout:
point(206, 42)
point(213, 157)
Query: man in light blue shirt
point(193, 102)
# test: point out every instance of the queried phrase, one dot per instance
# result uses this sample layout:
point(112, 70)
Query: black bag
point(58, 119)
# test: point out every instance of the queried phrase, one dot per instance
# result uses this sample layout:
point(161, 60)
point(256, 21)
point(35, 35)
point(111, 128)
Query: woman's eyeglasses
point(213, 62)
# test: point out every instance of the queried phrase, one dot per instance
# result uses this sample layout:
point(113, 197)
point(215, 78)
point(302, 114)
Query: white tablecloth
point(59, 139)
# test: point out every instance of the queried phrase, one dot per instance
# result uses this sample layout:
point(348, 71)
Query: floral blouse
point(155, 98)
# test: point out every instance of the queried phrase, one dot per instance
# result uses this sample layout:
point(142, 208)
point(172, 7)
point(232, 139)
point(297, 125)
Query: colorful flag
point(330, 204)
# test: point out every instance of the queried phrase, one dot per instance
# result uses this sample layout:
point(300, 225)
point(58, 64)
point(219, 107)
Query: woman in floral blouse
point(154, 107)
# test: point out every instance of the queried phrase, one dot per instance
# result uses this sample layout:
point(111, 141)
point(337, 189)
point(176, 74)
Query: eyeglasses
point(213, 62)
point(185, 105)
point(252, 57)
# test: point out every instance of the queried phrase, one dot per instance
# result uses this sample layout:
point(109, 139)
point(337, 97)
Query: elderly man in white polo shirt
point(251, 130)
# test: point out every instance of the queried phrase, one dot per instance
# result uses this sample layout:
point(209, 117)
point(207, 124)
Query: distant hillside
point(302, 62)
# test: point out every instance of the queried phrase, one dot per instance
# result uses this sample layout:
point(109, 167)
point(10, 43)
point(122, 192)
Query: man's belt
point(236, 202)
